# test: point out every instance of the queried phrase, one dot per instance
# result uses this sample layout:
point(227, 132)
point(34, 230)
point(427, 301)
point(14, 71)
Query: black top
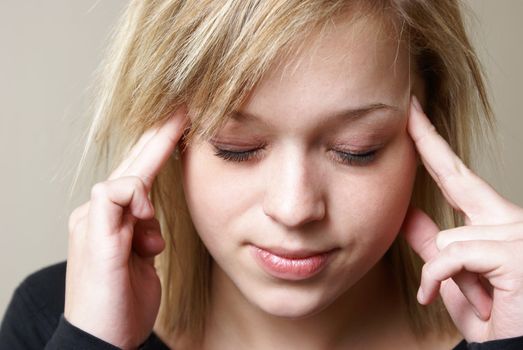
point(34, 320)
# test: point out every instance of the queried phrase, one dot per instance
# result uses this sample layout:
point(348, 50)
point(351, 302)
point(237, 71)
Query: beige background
point(49, 50)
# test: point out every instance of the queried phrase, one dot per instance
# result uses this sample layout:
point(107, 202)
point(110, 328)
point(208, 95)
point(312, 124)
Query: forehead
point(349, 63)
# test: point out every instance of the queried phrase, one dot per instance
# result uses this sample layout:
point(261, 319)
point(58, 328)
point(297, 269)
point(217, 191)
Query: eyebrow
point(348, 114)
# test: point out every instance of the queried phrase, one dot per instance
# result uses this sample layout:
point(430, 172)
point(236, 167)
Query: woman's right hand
point(112, 289)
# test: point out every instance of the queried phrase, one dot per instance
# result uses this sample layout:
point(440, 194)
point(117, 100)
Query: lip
point(291, 265)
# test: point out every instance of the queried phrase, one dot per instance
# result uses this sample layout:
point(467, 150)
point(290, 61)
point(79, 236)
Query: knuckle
point(76, 227)
point(431, 270)
point(425, 269)
point(76, 216)
point(99, 190)
point(454, 249)
point(441, 237)
point(138, 183)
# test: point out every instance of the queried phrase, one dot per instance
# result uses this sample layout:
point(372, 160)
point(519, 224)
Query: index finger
point(158, 149)
point(463, 189)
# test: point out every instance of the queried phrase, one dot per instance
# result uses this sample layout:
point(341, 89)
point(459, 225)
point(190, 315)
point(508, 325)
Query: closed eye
point(348, 158)
point(236, 156)
point(356, 158)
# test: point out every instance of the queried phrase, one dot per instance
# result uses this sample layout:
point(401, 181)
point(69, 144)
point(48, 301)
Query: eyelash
point(345, 157)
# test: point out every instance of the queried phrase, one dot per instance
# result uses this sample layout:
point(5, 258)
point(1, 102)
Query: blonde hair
point(208, 54)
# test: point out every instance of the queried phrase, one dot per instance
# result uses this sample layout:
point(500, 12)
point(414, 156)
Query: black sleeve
point(68, 336)
point(33, 312)
point(515, 343)
point(34, 317)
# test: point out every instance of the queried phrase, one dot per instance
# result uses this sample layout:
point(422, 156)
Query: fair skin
point(298, 193)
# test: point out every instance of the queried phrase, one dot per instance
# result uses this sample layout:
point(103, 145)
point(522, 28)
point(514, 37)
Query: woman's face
point(301, 192)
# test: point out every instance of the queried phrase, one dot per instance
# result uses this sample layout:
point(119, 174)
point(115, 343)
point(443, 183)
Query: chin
point(290, 301)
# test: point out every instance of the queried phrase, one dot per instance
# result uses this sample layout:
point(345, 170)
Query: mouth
point(291, 265)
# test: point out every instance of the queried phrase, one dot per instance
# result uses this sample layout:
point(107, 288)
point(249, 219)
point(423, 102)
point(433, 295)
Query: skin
point(296, 193)
point(300, 194)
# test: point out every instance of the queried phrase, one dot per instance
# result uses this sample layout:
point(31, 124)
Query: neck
point(370, 313)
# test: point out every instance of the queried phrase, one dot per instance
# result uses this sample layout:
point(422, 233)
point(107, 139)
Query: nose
point(293, 196)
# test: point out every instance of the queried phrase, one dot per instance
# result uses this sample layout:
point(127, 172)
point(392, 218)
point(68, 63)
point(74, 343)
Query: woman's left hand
point(477, 268)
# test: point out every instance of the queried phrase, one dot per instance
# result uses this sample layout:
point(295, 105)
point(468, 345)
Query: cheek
point(399, 174)
point(375, 203)
point(209, 197)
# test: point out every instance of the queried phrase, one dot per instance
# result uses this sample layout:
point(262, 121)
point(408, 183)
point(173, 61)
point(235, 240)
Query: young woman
point(321, 159)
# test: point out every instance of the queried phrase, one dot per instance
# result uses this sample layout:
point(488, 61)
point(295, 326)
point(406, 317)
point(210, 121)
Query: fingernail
point(416, 103)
